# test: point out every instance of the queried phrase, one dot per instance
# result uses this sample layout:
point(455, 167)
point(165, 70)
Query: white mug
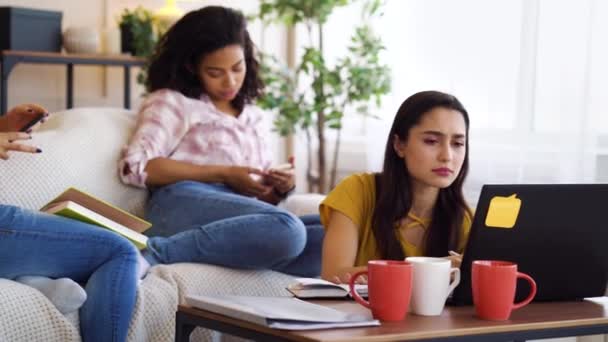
point(431, 284)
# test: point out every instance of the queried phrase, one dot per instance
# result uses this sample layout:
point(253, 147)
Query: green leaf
point(315, 90)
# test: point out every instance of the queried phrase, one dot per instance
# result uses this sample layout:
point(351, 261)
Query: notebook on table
point(285, 313)
point(556, 233)
point(307, 288)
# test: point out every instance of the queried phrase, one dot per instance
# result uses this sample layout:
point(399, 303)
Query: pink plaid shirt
point(174, 126)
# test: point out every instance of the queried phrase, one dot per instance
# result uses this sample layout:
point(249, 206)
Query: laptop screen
point(556, 233)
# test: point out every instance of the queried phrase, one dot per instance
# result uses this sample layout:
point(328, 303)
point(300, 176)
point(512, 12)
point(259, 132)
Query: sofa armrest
point(27, 315)
point(303, 204)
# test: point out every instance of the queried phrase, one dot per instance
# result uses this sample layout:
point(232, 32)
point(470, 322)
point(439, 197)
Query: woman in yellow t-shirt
point(415, 206)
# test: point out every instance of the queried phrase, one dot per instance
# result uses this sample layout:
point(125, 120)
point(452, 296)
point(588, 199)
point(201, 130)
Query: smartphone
point(31, 123)
point(282, 167)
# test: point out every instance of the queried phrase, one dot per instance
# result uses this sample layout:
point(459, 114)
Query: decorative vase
point(81, 40)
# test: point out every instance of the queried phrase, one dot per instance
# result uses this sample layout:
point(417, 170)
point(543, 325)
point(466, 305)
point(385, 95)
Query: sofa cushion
point(80, 148)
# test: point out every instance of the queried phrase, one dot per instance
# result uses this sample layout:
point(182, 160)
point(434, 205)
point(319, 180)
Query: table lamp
point(167, 15)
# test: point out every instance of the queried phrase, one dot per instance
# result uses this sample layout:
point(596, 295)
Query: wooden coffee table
point(535, 321)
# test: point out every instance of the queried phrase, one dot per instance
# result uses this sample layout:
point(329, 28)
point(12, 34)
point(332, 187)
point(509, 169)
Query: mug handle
point(353, 293)
point(532, 290)
point(456, 272)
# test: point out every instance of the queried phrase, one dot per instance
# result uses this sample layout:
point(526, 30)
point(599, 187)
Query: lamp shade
point(168, 15)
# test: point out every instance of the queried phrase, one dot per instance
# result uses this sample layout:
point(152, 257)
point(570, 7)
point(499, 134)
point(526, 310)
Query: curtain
point(533, 75)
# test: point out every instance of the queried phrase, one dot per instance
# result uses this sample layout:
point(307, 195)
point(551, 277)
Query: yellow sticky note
point(503, 211)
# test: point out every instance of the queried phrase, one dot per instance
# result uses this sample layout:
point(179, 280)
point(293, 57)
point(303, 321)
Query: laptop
point(556, 233)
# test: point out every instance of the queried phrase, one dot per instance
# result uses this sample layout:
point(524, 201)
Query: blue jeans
point(210, 223)
point(33, 243)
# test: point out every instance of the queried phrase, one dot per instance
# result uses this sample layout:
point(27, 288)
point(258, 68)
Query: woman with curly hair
point(200, 150)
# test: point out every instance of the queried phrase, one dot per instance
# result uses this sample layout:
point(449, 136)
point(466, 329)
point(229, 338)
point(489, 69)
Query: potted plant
point(352, 83)
point(137, 32)
point(138, 36)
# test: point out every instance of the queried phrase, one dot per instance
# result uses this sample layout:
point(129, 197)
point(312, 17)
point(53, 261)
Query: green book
point(81, 206)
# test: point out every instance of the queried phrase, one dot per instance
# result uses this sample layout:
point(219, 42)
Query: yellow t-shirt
point(355, 197)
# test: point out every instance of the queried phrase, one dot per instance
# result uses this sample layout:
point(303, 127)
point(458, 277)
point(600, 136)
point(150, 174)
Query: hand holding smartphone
point(23, 118)
point(282, 167)
point(286, 167)
point(31, 115)
point(28, 127)
point(282, 178)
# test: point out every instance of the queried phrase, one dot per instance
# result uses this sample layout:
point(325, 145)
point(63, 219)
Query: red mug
point(389, 288)
point(494, 283)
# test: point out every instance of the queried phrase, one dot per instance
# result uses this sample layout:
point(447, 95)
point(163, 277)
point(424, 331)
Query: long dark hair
point(174, 64)
point(394, 185)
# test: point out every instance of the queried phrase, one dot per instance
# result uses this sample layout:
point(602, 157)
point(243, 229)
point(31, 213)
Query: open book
point(319, 288)
point(285, 313)
point(78, 205)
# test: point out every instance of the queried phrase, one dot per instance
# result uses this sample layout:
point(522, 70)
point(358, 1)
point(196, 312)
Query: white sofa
point(80, 148)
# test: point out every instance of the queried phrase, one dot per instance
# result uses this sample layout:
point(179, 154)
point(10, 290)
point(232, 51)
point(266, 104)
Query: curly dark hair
point(175, 61)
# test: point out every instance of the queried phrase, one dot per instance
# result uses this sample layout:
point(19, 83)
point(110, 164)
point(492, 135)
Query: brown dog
point(22, 117)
